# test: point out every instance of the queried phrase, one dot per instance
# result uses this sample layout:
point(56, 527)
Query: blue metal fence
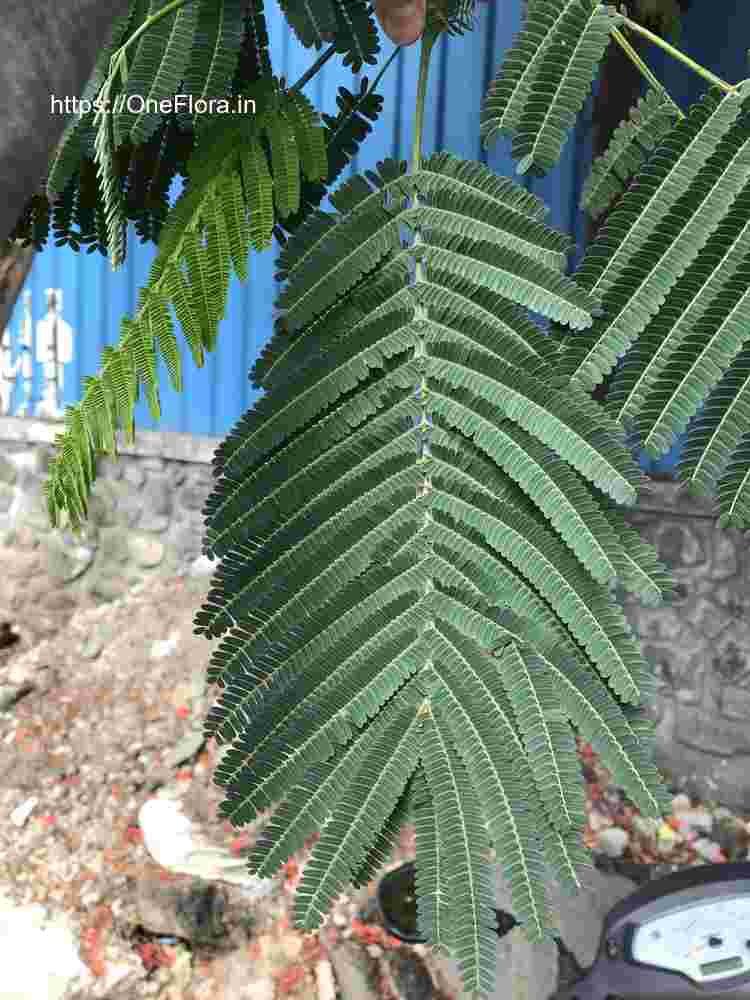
point(214, 397)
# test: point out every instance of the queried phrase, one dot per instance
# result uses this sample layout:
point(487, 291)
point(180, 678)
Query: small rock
point(613, 841)
point(203, 566)
point(695, 819)
point(146, 551)
point(183, 847)
point(39, 953)
point(731, 836)
point(7, 496)
point(107, 588)
point(645, 826)
point(680, 803)
point(351, 973)
point(188, 746)
point(324, 979)
point(94, 643)
point(8, 471)
point(708, 850)
point(191, 910)
point(134, 474)
point(700, 788)
point(410, 976)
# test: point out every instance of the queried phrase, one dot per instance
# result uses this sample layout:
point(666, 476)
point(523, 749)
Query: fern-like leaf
point(469, 932)
point(658, 228)
point(545, 79)
point(158, 67)
point(71, 146)
point(400, 482)
point(103, 155)
point(719, 428)
point(212, 60)
point(348, 24)
point(633, 139)
point(342, 138)
point(207, 229)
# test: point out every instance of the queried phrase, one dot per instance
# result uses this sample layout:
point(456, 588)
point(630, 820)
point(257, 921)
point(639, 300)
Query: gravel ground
point(110, 701)
point(102, 705)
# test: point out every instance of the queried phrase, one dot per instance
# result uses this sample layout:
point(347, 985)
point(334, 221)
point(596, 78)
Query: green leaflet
point(343, 135)
point(348, 24)
point(213, 56)
point(67, 156)
point(646, 125)
point(467, 880)
point(680, 234)
point(156, 71)
point(718, 434)
point(224, 211)
point(658, 229)
point(365, 806)
point(545, 79)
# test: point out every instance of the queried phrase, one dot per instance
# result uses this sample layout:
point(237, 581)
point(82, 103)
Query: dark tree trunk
point(619, 90)
point(45, 49)
point(15, 264)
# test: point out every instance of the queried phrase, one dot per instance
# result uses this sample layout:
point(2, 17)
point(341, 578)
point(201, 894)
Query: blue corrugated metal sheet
point(214, 397)
point(95, 299)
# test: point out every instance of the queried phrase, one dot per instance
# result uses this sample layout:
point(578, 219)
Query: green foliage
point(633, 139)
point(348, 24)
point(369, 536)
point(344, 134)
point(420, 524)
point(206, 49)
point(681, 236)
point(545, 78)
point(229, 206)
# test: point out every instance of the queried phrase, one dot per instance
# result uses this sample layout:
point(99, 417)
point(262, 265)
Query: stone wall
point(700, 645)
point(146, 518)
point(145, 511)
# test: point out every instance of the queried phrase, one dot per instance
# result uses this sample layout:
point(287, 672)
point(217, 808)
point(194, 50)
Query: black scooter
point(681, 937)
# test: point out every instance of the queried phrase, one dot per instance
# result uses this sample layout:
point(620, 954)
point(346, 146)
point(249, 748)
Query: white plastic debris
point(203, 566)
point(181, 846)
point(164, 647)
point(21, 813)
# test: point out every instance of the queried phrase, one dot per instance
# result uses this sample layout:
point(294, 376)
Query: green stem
point(636, 59)
point(173, 5)
point(379, 77)
point(428, 40)
point(310, 73)
point(675, 53)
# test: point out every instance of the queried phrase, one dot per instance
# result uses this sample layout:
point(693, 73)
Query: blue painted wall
point(95, 299)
